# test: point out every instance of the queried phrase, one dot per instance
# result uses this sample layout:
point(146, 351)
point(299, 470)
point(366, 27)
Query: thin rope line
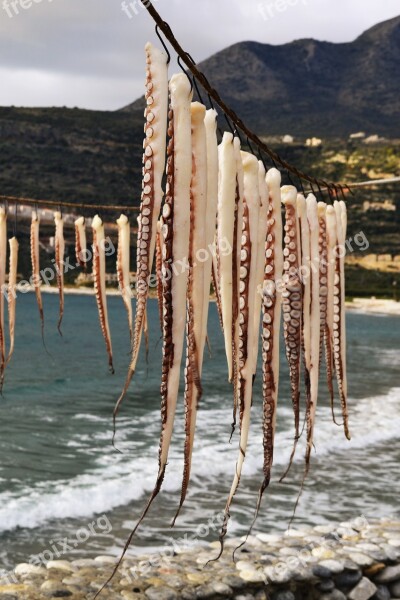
point(59, 203)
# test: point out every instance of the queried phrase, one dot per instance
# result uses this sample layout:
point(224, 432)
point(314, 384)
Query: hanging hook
point(15, 218)
point(163, 44)
point(178, 60)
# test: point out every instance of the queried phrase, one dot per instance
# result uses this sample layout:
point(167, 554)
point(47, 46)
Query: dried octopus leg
point(99, 275)
point(236, 262)
point(196, 329)
point(3, 259)
point(80, 243)
point(248, 278)
point(159, 271)
point(60, 250)
point(215, 283)
point(152, 193)
point(225, 230)
point(339, 326)
point(36, 281)
point(305, 271)
point(331, 241)
point(176, 231)
point(123, 268)
point(271, 309)
point(315, 322)
point(12, 293)
point(262, 234)
point(210, 123)
point(292, 306)
point(323, 301)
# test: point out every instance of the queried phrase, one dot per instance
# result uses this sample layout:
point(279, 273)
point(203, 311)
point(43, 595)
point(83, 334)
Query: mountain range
point(310, 87)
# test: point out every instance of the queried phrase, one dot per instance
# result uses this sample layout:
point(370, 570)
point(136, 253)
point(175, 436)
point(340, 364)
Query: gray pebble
point(395, 589)
point(326, 585)
point(205, 591)
point(334, 566)
point(321, 572)
point(382, 593)
point(283, 595)
point(389, 575)
point(221, 589)
point(161, 593)
point(234, 582)
point(188, 593)
point(348, 579)
point(334, 595)
point(244, 597)
point(364, 590)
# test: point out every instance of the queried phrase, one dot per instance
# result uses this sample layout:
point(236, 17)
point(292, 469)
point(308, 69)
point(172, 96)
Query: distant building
point(288, 139)
point(313, 142)
point(373, 139)
point(357, 136)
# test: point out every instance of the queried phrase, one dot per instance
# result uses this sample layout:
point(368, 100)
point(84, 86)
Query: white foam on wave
point(118, 480)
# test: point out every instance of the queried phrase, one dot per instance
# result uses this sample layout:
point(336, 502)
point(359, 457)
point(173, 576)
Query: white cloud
point(90, 54)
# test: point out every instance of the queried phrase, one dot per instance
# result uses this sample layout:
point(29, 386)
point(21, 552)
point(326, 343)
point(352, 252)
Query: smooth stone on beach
point(54, 589)
point(374, 569)
point(382, 593)
point(161, 593)
point(269, 538)
point(81, 563)
point(28, 569)
point(221, 589)
point(389, 575)
point(252, 576)
point(361, 559)
point(188, 593)
point(348, 579)
point(244, 597)
point(395, 589)
point(333, 595)
point(322, 552)
point(364, 590)
point(325, 585)
point(105, 560)
point(283, 595)
point(61, 565)
point(321, 572)
point(334, 566)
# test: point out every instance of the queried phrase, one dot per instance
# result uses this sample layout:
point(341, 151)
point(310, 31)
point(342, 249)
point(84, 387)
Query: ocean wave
point(119, 479)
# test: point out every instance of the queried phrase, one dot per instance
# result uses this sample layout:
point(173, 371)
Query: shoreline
point(357, 560)
point(361, 305)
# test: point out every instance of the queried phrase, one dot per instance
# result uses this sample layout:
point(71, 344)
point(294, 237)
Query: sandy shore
point(374, 306)
point(357, 560)
point(362, 305)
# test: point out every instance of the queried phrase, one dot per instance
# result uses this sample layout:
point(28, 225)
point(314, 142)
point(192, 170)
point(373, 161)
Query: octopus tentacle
point(152, 193)
point(271, 311)
point(292, 306)
point(305, 273)
point(216, 287)
point(225, 231)
point(236, 260)
point(325, 342)
point(339, 328)
point(99, 274)
point(12, 293)
point(262, 234)
point(60, 251)
point(80, 243)
point(248, 277)
point(159, 271)
point(315, 322)
point(34, 242)
point(123, 269)
point(3, 261)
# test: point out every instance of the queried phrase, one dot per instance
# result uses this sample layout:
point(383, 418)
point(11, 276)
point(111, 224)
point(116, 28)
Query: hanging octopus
point(36, 281)
point(153, 170)
point(80, 243)
point(159, 252)
point(3, 261)
point(123, 270)
point(246, 355)
point(12, 293)
point(271, 318)
point(292, 300)
point(99, 275)
point(339, 326)
point(195, 336)
point(59, 262)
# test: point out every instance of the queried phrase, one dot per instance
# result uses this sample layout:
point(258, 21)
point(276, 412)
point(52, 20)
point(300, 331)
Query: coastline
point(361, 305)
point(357, 560)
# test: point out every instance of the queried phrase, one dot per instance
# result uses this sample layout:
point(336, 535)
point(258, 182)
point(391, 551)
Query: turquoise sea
point(59, 472)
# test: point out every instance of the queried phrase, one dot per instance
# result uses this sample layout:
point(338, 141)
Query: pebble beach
point(357, 560)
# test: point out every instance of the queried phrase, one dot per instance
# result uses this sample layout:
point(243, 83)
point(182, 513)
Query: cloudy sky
point(89, 53)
